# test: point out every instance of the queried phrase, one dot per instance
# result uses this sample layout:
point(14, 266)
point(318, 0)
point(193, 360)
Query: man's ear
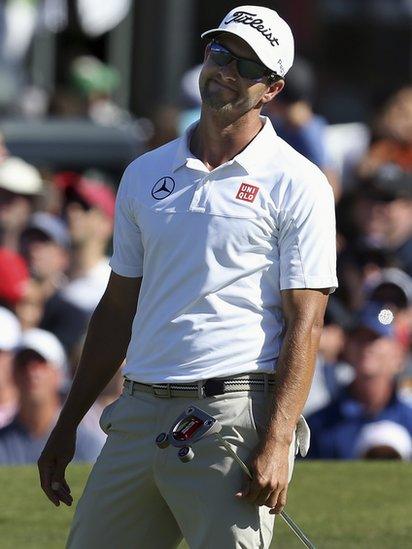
point(273, 90)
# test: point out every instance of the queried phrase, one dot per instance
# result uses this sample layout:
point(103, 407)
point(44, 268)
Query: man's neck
point(217, 140)
point(39, 419)
point(86, 256)
point(51, 284)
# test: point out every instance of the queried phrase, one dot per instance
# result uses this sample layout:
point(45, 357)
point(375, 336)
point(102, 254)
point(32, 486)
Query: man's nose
point(229, 71)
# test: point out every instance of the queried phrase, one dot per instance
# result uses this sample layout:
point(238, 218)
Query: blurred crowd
point(55, 241)
point(360, 405)
point(54, 269)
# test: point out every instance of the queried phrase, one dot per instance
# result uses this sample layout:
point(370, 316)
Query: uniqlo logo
point(247, 192)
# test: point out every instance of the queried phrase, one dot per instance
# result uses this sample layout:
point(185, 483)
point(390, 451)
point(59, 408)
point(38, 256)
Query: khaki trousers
point(139, 496)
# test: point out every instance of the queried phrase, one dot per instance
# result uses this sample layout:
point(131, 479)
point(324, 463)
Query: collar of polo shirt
point(259, 148)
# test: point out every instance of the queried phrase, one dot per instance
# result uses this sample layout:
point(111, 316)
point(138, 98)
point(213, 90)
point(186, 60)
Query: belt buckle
point(213, 387)
point(156, 387)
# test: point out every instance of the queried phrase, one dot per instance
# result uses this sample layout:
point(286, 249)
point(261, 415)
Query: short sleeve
point(127, 258)
point(307, 235)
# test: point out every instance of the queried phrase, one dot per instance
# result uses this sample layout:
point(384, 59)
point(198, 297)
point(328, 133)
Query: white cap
point(265, 31)
point(19, 177)
point(385, 433)
point(46, 344)
point(10, 331)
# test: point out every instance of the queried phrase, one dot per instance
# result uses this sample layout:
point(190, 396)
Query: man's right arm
point(104, 350)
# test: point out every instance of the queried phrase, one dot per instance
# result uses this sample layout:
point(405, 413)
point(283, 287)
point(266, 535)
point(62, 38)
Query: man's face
point(46, 258)
point(374, 357)
point(222, 88)
point(399, 217)
point(87, 224)
point(37, 380)
point(14, 210)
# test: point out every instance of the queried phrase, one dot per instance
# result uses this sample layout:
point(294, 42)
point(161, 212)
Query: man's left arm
point(304, 311)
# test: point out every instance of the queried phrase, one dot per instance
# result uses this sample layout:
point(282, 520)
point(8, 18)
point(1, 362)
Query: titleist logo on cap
point(249, 19)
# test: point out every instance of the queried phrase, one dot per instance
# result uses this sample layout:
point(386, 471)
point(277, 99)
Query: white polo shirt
point(215, 248)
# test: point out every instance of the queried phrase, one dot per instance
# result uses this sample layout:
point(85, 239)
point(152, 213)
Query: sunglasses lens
point(246, 68)
point(250, 69)
point(220, 56)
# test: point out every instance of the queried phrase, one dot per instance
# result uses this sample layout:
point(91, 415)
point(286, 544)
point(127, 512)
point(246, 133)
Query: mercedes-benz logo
point(163, 188)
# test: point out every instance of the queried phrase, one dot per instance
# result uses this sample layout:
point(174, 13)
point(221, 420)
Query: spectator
point(372, 396)
point(385, 220)
point(45, 244)
point(392, 136)
point(20, 184)
point(97, 82)
point(39, 368)
point(393, 289)
point(398, 229)
point(90, 213)
point(384, 440)
point(9, 338)
point(29, 308)
point(357, 264)
point(376, 223)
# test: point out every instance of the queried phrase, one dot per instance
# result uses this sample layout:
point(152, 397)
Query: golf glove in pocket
point(302, 440)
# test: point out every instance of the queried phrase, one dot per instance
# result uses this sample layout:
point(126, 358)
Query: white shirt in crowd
point(86, 291)
point(216, 247)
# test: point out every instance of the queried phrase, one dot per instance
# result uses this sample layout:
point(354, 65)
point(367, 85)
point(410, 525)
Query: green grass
point(339, 505)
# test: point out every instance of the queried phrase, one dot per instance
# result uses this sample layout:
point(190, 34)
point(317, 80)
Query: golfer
point(224, 256)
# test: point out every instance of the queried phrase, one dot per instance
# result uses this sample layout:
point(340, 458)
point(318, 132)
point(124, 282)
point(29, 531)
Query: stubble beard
point(216, 102)
point(227, 109)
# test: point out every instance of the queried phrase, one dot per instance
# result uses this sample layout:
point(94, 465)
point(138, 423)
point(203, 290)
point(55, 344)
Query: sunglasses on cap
point(251, 70)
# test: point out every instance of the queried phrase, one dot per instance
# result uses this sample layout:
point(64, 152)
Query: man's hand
point(57, 454)
point(269, 467)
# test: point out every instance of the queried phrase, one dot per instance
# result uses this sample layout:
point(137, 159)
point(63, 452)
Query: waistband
point(205, 388)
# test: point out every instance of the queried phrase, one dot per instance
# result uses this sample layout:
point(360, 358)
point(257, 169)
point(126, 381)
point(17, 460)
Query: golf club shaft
point(297, 530)
point(289, 521)
point(234, 455)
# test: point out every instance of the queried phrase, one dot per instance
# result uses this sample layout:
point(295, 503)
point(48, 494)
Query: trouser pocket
point(105, 418)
